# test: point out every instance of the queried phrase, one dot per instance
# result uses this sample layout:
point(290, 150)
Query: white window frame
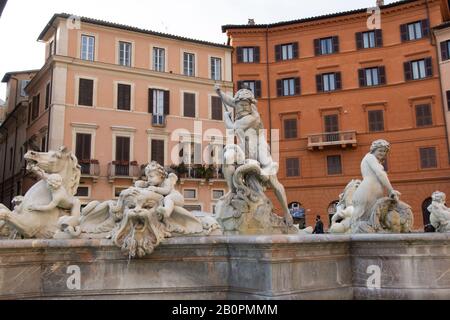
point(418, 69)
point(248, 54)
point(194, 61)
point(153, 57)
point(326, 46)
point(217, 189)
point(289, 89)
point(415, 30)
point(89, 191)
point(151, 135)
point(84, 128)
point(123, 132)
point(132, 93)
point(287, 51)
point(77, 89)
point(328, 83)
point(91, 56)
point(191, 189)
point(369, 39)
point(213, 68)
point(372, 74)
point(133, 52)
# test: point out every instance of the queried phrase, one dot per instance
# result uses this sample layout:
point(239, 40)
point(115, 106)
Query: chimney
point(380, 3)
point(251, 22)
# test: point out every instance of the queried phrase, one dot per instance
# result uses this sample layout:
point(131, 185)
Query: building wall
point(314, 188)
point(104, 121)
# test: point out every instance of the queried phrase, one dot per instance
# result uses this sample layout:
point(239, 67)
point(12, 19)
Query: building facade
point(333, 84)
point(121, 97)
point(13, 130)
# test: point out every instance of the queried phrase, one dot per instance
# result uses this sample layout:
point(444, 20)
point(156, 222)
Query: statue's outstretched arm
point(226, 99)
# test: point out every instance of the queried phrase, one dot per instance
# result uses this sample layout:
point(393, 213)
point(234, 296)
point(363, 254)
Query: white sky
point(23, 20)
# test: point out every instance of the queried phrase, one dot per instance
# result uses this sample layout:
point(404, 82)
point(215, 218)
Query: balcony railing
point(159, 120)
point(90, 168)
point(123, 169)
point(323, 140)
point(198, 172)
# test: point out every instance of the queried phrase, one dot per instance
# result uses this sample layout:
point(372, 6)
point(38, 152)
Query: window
point(87, 48)
point(159, 106)
point(428, 158)
point(189, 105)
point(252, 85)
point(83, 151)
point(189, 64)
point(159, 59)
point(372, 76)
point(122, 161)
point(423, 115)
point(47, 96)
point(329, 82)
point(334, 165)
point(217, 194)
point(216, 109)
point(369, 39)
point(216, 69)
point(35, 107)
point(445, 50)
point(292, 167)
point(288, 87)
point(448, 100)
point(82, 192)
point(118, 191)
point(326, 45)
point(414, 31)
point(418, 69)
point(190, 194)
point(192, 208)
point(290, 128)
point(51, 48)
point(248, 54)
point(158, 151)
point(86, 92)
point(376, 120)
point(331, 123)
point(123, 97)
point(23, 84)
point(125, 53)
point(286, 51)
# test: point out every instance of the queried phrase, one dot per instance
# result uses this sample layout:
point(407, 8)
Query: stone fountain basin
point(413, 266)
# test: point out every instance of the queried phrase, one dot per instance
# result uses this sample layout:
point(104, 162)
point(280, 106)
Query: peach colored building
point(13, 130)
point(116, 94)
point(332, 86)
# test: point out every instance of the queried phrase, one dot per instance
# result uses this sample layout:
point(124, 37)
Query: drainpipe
point(268, 87)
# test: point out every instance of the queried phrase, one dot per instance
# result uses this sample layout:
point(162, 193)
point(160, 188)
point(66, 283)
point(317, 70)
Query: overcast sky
point(23, 20)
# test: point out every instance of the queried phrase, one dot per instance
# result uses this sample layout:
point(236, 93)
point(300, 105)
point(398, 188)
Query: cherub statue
point(164, 184)
point(61, 198)
point(440, 214)
point(249, 129)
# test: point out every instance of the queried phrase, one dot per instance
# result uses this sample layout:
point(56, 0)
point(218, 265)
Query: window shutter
point(240, 54)
point(86, 91)
point(257, 54)
point(362, 77)
point(317, 47)
point(166, 102)
point(408, 71)
point(189, 105)
point(150, 100)
point(429, 67)
point(382, 74)
point(379, 38)
point(335, 44)
point(297, 86)
point(279, 88)
point(359, 40)
point(404, 32)
point(277, 52)
point(216, 108)
point(444, 51)
point(158, 151)
point(295, 50)
point(319, 83)
point(338, 80)
point(123, 96)
point(425, 28)
point(258, 90)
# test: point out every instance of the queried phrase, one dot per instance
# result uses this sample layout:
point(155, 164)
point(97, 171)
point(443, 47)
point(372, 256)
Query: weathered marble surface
point(412, 266)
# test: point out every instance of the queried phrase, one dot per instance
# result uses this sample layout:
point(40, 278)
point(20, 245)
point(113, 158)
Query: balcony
point(344, 139)
point(90, 169)
point(124, 170)
point(158, 120)
point(202, 173)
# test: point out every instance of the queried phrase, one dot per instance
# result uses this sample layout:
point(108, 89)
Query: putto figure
point(440, 214)
point(248, 169)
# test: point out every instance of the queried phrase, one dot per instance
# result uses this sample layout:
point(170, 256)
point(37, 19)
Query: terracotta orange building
point(333, 84)
point(115, 95)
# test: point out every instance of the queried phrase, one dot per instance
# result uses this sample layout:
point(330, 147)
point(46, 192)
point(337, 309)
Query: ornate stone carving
point(373, 212)
point(341, 221)
point(36, 215)
point(440, 214)
point(249, 169)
